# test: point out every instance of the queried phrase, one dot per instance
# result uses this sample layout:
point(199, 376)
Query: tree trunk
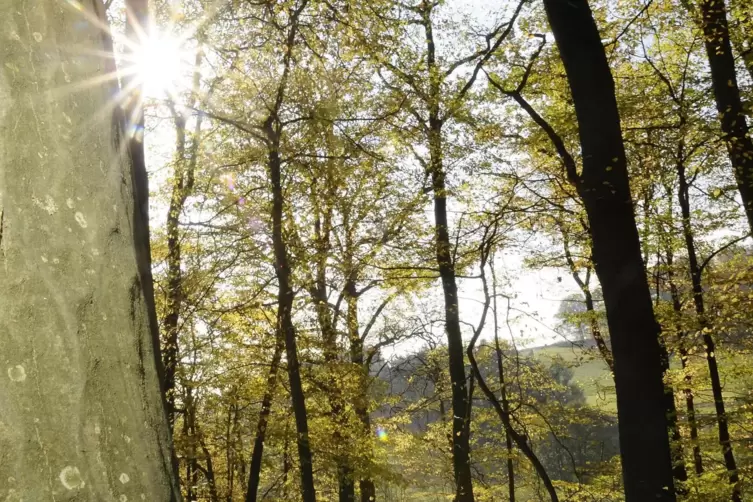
point(461, 459)
point(82, 414)
point(254, 472)
point(133, 129)
point(318, 291)
point(713, 19)
point(601, 344)
point(182, 186)
point(503, 389)
point(285, 319)
point(360, 406)
point(679, 472)
point(604, 187)
point(272, 128)
point(209, 471)
point(688, 390)
point(700, 309)
point(460, 438)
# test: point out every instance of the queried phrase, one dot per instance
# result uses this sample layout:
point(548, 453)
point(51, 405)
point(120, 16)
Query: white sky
point(536, 294)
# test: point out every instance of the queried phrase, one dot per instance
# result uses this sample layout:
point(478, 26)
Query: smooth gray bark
point(81, 416)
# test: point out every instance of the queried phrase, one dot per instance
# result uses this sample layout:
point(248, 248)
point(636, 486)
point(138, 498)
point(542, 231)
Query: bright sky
point(164, 65)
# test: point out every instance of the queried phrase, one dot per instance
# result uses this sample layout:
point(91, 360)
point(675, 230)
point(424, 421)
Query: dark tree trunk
point(601, 344)
point(700, 309)
point(318, 291)
point(209, 472)
point(679, 472)
point(361, 404)
point(132, 123)
point(460, 438)
point(183, 179)
point(688, 390)
point(285, 320)
point(254, 472)
point(520, 440)
point(272, 127)
point(503, 389)
point(461, 459)
point(713, 19)
point(604, 188)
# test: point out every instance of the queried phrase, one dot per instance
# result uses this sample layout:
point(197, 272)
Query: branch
point(726, 246)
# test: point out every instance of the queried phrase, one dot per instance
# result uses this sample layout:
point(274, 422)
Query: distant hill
point(589, 369)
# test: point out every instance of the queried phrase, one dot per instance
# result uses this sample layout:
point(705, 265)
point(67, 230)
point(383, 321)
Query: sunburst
point(152, 64)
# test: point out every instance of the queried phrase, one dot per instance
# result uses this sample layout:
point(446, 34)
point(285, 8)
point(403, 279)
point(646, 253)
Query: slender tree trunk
point(601, 344)
point(679, 471)
point(460, 439)
point(254, 472)
point(285, 319)
point(183, 179)
point(366, 484)
point(186, 160)
point(713, 20)
point(593, 322)
point(503, 389)
point(209, 472)
point(76, 330)
point(272, 128)
point(318, 292)
point(285, 462)
point(604, 188)
point(688, 390)
point(520, 440)
point(700, 309)
point(461, 458)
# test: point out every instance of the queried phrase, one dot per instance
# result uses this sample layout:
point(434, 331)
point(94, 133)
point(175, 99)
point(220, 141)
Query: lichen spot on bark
point(17, 373)
point(124, 478)
point(80, 219)
point(71, 478)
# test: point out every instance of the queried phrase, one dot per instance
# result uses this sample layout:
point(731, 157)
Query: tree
point(81, 391)
point(604, 187)
point(712, 17)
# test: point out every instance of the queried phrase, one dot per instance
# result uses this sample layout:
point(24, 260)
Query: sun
point(159, 62)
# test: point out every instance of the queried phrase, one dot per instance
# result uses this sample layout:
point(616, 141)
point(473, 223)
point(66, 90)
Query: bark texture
point(604, 188)
point(81, 415)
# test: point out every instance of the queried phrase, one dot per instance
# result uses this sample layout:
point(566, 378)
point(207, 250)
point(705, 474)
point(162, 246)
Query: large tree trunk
point(713, 19)
point(605, 190)
point(708, 340)
point(82, 415)
point(460, 433)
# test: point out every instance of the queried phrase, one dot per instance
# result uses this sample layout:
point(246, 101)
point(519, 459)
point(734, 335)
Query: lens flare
point(381, 434)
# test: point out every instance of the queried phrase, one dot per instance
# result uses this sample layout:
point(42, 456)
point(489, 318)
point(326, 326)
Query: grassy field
point(592, 374)
point(589, 372)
